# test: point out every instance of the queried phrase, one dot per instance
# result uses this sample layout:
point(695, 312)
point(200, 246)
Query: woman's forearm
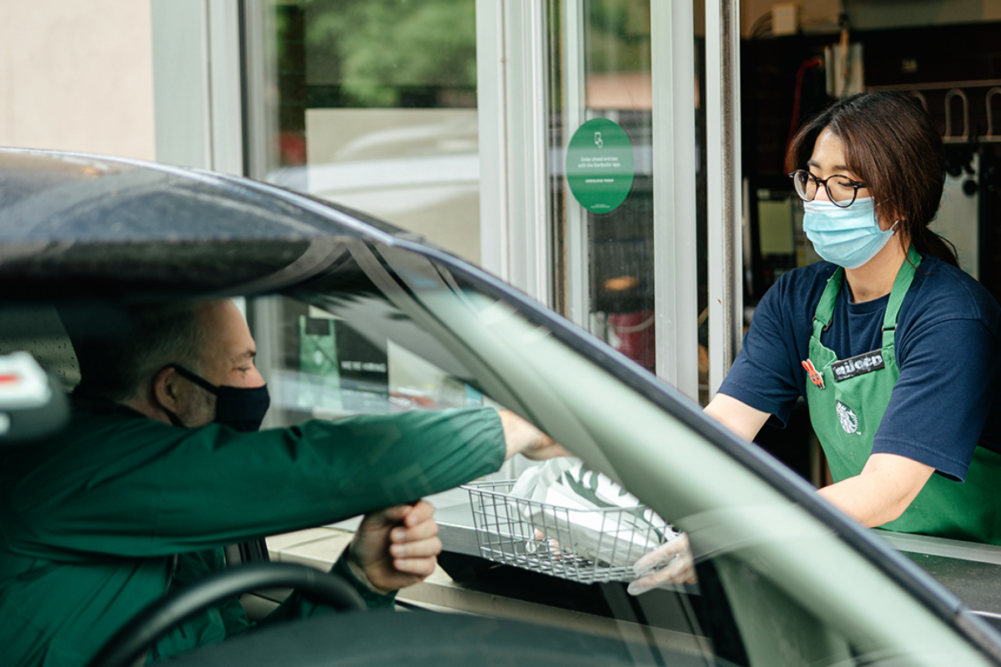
point(887, 485)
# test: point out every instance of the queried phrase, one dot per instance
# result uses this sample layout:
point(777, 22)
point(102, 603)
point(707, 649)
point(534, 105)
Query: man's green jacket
point(106, 517)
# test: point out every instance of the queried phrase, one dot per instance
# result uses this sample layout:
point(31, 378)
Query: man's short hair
point(117, 367)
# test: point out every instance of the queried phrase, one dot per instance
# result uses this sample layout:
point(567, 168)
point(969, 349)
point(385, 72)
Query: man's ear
point(166, 389)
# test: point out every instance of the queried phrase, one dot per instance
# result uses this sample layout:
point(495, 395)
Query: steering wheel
point(129, 643)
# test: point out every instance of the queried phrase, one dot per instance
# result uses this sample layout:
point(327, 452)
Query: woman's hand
point(675, 563)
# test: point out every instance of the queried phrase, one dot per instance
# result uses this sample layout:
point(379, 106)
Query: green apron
point(847, 400)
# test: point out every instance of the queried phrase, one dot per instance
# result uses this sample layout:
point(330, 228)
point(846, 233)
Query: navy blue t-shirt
point(942, 406)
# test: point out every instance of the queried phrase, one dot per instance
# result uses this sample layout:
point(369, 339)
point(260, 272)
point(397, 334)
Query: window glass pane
point(599, 66)
point(375, 109)
point(39, 331)
point(618, 87)
point(334, 364)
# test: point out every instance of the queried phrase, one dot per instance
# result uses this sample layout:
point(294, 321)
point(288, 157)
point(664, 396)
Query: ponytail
point(928, 242)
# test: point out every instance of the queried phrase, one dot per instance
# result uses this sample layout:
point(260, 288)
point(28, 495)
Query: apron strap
point(900, 286)
point(825, 307)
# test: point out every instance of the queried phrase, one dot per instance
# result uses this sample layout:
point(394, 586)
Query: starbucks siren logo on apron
point(848, 419)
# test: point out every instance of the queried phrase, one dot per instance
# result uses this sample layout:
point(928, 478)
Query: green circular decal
point(600, 165)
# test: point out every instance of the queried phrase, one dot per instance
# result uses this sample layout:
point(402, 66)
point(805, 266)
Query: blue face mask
point(848, 237)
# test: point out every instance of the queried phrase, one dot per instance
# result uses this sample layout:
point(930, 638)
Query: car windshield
point(387, 330)
point(384, 329)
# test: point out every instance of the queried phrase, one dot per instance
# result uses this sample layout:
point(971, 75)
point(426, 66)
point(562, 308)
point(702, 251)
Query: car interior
point(384, 330)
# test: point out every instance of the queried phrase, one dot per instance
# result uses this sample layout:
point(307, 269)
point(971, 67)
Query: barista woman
point(893, 346)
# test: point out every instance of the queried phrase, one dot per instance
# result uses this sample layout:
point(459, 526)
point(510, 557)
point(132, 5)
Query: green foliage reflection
point(618, 35)
point(390, 53)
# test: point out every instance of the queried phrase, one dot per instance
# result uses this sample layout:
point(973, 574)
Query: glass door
point(629, 259)
point(605, 127)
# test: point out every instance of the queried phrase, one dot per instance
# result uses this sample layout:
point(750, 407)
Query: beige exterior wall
point(77, 75)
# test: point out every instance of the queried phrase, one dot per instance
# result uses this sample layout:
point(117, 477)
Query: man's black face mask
point(240, 408)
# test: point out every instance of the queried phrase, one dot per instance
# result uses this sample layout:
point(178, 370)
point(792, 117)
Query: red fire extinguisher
point(636, 334)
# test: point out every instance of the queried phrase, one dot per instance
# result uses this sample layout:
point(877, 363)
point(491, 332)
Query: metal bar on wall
point(574, 115)
point(181, 94)
point(225, 86)
point(260, 111)
point(939, 85)
point(528, 184)
point(676, 260)
point(196, 83)
point(724, 186)
point(491, 109)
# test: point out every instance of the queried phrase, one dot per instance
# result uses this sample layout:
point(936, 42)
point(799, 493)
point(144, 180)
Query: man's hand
point(675, 561)
point(523, 438)
point(395, 547)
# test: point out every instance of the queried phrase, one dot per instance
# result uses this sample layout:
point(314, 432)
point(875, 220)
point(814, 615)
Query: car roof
point(73, 225)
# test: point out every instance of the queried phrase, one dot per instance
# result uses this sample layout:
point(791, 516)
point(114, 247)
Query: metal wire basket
point(549, 539)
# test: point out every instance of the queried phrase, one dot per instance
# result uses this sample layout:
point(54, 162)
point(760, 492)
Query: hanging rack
point(960, 89)
point(990, 116)
point(949, 96)
point(924, 100)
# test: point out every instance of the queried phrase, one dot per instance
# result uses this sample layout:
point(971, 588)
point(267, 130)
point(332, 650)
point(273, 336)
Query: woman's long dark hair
point(892, 145)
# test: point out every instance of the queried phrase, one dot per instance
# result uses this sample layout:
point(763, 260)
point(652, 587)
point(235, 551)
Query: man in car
point(162, 465)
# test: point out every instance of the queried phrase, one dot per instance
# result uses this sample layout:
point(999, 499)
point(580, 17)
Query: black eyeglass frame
point(856, 185)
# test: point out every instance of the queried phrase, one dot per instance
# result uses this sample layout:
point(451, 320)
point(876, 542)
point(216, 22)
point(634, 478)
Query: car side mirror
point(33, 403)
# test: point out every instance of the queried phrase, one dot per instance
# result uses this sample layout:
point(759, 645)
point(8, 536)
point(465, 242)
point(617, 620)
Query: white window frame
point(197, 90)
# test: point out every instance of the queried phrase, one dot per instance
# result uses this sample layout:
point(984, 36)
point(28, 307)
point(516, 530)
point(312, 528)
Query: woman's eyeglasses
point(841, 190)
